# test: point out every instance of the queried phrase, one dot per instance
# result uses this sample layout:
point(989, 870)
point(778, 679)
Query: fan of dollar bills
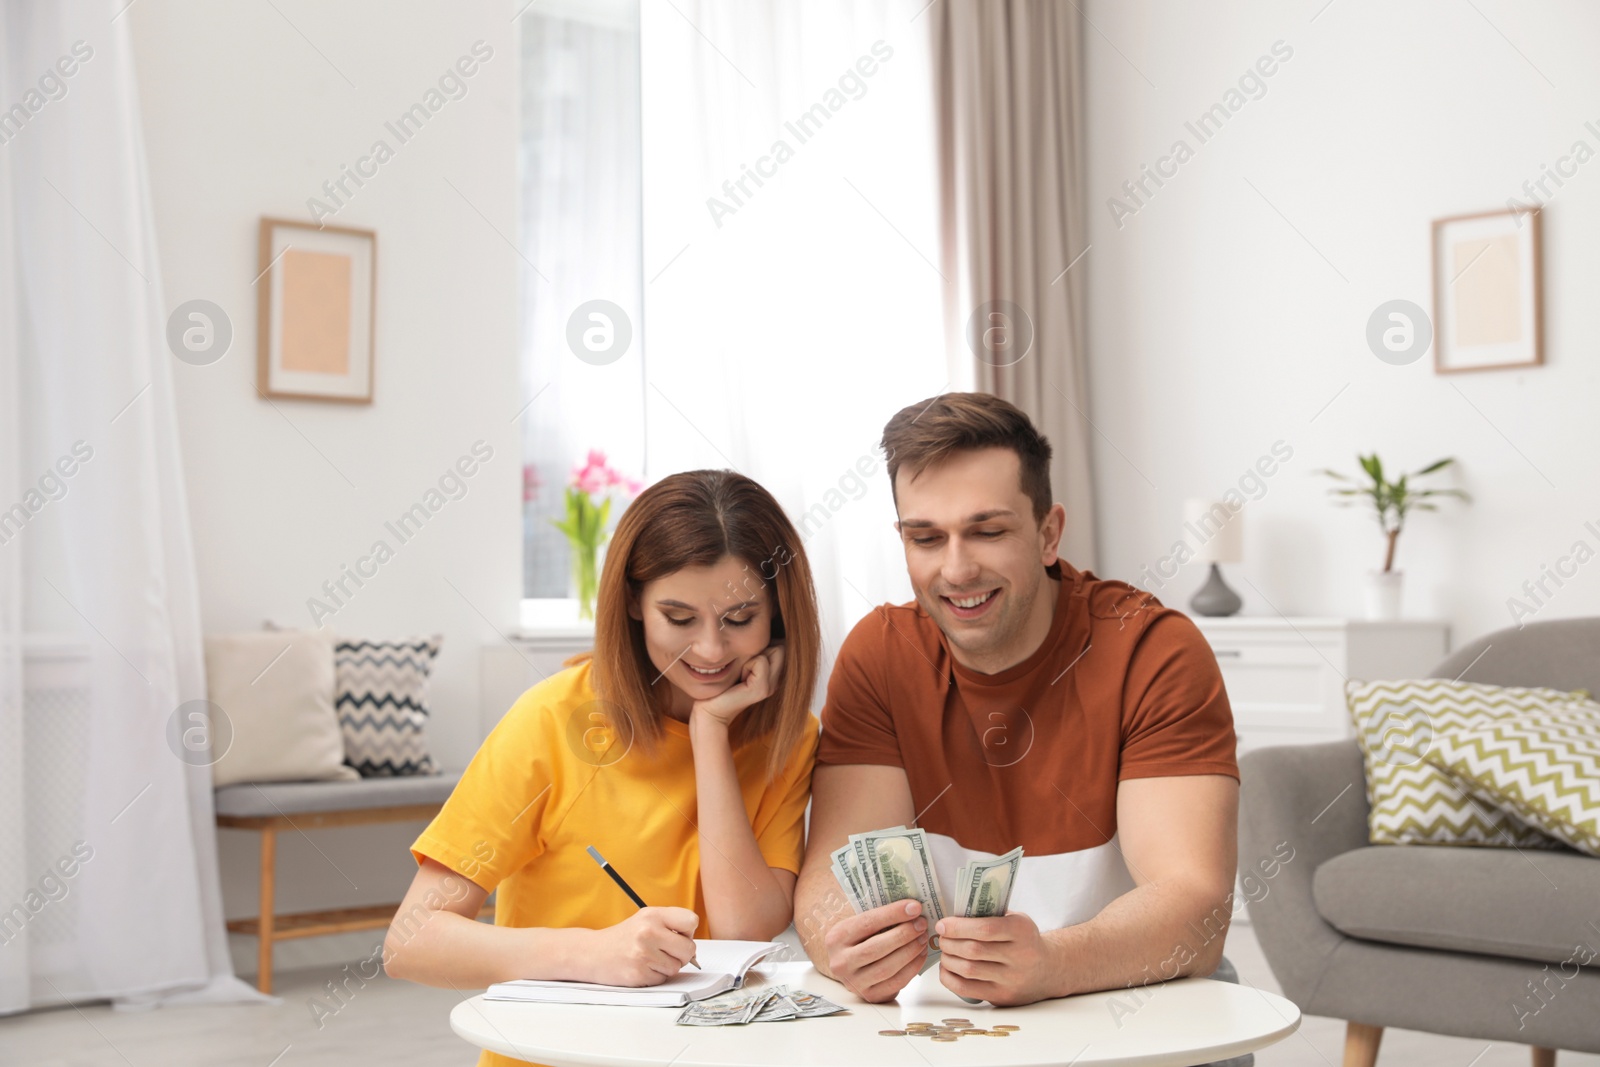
point(884, 866)
point(765, 1004)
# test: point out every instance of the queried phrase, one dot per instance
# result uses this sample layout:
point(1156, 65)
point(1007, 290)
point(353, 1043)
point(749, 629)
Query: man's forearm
point(1149, 934)
point(818, 904)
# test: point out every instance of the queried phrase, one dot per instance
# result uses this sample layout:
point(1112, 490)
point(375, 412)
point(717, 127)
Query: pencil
point(628, 889)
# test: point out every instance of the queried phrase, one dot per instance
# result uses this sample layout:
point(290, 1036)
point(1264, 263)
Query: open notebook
point(722, 967)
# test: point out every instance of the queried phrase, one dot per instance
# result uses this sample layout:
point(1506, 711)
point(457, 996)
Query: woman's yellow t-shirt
point(552, 779)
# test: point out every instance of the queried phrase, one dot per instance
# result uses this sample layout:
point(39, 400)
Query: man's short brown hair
point(930, 430)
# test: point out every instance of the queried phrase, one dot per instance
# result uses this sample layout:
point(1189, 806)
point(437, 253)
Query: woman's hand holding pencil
point(646, 948)
point(649, 947)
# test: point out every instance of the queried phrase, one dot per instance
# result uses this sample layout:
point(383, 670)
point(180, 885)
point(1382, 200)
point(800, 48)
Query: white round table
point(1174, 1024)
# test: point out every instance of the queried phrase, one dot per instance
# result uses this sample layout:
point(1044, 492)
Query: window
point(778, 256)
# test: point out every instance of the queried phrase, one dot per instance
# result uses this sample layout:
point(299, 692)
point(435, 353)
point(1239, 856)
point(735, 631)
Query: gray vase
point(1215, 598)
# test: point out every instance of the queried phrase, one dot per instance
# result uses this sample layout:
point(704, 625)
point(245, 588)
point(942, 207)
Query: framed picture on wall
point(315, 302)
point(1487, 293)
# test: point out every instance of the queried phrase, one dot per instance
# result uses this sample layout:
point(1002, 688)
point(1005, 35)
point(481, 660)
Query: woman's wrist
point(559, 953)
point(703, 727)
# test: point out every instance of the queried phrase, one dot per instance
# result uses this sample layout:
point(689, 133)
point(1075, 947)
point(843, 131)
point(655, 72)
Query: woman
point(681, 749)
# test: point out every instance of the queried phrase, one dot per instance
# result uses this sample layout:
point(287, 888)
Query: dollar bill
point(778, 1008)
point(733, 1008)
point(849, 877)
point(983, 887)
point(902, 869)
point(810, 1006)
point(858, 865)
point(864, 867)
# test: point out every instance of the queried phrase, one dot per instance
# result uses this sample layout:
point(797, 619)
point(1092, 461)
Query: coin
point(949, 1022)
point(998, 1033)
point(1003, 1026)
point(891, 1033)
point(974, 1030)
point(944, 1037)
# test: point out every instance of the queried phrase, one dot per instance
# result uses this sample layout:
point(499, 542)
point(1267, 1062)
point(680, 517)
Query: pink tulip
point(594, 476)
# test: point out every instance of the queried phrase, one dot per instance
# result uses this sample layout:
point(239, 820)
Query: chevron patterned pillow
point(1544, 768)
point(1409, 800)
point(381, 697)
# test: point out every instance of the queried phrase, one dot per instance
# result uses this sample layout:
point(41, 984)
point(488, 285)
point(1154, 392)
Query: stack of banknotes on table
point(768, 1004)
point(885, 866)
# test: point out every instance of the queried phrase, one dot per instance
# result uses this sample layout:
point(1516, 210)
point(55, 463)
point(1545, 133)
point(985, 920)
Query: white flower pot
point(1382, 593)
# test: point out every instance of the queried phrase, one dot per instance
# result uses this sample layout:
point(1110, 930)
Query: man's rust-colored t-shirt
point(1122, 687)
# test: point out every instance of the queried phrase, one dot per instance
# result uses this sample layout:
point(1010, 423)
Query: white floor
point(396, 1023)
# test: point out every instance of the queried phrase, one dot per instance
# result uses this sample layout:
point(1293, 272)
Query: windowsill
point(555, 618)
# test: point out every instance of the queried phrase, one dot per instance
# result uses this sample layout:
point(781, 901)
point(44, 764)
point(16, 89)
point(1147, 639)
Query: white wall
point(246, 113)
point(1217, 329)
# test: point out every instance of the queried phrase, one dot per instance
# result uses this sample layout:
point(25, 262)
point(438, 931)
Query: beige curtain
point(1008, 83)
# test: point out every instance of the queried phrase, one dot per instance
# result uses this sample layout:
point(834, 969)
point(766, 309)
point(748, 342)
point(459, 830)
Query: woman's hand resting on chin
point(758, 679)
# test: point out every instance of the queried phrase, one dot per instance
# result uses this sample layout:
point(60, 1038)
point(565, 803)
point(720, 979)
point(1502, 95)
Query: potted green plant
point(1391, 502)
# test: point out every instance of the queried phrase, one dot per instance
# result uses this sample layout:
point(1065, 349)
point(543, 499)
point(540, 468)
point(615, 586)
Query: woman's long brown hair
point(696, 519)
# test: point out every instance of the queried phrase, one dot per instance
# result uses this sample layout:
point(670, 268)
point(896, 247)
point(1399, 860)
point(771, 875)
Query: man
point(1020, 701)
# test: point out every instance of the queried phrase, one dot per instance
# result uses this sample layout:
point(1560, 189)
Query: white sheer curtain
point(580, 221)
point(99, 619)
point(780, 335)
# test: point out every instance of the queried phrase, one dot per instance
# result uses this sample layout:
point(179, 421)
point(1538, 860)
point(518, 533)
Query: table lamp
point(1220, 534)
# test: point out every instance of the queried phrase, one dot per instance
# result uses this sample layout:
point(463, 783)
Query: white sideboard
point(508, 669)
point(1285, 676)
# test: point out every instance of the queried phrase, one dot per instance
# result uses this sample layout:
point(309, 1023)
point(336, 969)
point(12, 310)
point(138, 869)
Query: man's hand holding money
point(874, 954)
point(889, 878)
point(1003, 959)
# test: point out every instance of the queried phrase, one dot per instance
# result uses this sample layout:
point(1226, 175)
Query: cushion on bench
point(251, 799)
point(1531, 905)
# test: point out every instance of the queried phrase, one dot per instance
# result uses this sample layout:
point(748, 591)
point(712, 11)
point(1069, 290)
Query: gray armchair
point(1491, 943)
